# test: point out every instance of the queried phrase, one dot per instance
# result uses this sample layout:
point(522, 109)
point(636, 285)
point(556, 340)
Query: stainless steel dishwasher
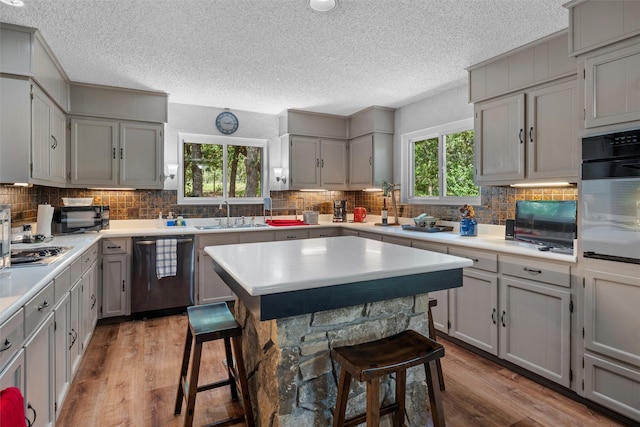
point(151, 296)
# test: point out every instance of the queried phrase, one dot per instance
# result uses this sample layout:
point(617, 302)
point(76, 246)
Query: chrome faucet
point(228, 210)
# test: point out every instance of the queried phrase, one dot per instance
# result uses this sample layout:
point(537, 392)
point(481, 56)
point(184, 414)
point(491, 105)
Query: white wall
point(446, 107)
point(202, 120)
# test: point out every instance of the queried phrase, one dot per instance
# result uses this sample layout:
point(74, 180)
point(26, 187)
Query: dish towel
point(12, 408)
point(166, 257)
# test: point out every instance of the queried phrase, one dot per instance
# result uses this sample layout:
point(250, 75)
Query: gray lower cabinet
point(440, 312)
point(12, 375)
point(611, 336)
point(322, 232)
point(88, 297)
point(473, 316)
point(39, 365)
point(211, 287)
point(63, 377)
point(116, 287)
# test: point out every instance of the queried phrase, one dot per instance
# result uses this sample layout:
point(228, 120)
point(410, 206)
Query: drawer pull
point(504, 313)
point(493, 316)
point(123, 286)
point(114, 247)
point(532, 270)
point(44, 305)
point(291, 237)
point(6, 345)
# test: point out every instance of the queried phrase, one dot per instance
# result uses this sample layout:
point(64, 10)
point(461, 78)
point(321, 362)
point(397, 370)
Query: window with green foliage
point(220, 168)
point(441, 165)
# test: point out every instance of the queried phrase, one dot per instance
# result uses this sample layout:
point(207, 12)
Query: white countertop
point(274, 267)
point(19, 284)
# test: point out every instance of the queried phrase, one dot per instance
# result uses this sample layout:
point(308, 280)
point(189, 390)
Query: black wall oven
point(611, 197)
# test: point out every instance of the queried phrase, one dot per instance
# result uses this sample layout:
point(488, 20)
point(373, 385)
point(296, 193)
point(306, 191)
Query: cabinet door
point(305, 162)
point(13, 373)
point(62, 318)
point(89, 310)
point(41, 137)
point(361, 162)
point(499, 140)
point(333, 164)
point(115, 284)
point(211, 288)
point(474, 310)
point(39, 368)
point(58, 160)
point(94, 146)
point(552, 139)
point(612, 87)
point(140, 155)
point(74, 349)
point(535, 328)
point(611, 315)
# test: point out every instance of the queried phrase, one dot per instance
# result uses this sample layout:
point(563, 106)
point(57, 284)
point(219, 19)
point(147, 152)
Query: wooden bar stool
point(432, 334)
point(208, 323)
point(372, 360)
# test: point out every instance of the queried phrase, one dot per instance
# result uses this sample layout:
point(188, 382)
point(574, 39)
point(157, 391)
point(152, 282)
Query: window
point(216, 168)
point(440, 167)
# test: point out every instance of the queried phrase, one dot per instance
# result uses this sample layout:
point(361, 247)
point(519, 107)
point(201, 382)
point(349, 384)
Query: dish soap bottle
point(385, 212)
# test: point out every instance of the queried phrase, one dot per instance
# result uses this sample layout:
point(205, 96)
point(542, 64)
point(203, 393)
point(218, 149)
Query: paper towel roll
point(45, 216)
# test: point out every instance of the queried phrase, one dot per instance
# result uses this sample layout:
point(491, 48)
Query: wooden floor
point(129, 375)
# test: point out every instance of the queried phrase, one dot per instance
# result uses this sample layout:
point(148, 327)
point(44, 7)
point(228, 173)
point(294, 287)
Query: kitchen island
point(297, 299)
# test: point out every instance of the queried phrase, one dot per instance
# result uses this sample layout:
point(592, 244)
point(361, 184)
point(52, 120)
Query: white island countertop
point(299, 274)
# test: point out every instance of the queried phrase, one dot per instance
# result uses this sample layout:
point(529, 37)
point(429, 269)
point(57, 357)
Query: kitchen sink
point(224, 227)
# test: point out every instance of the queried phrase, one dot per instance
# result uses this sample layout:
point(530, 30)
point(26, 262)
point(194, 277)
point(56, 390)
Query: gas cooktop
point(43, 255)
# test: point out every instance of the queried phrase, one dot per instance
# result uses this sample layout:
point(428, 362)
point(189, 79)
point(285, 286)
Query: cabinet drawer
point(217, 239)
point(396, 240)
point(11, 337)
point(433, 247)
point(114, 246)
point(37, 309)
point(323, 232)
point(555, 274)
point(292, 234)
point(481, 260)
point(89, 257)
point(62, 284)
point(256, 236)
point(372, 236)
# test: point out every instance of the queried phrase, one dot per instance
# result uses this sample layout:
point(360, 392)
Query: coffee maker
point(339, 211)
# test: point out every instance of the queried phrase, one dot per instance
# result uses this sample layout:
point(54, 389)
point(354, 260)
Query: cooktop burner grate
point(40, 255)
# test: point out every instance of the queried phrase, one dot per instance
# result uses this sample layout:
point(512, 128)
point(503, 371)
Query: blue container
point(468, 227)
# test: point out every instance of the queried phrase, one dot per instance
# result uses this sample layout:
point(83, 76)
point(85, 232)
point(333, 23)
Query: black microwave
point(78, 219)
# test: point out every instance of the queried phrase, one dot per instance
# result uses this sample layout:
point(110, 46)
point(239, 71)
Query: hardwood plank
point(129, 377)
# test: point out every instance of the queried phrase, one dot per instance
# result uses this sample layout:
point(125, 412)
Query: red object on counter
point(285, 222)
point(12, 408)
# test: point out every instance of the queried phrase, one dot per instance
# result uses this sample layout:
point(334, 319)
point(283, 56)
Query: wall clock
point(227, 122)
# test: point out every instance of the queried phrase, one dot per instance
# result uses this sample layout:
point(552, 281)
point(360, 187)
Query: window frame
point(225, 141)
point(407, 182)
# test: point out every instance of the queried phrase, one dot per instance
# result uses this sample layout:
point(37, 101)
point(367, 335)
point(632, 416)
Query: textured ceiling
point(269, 55)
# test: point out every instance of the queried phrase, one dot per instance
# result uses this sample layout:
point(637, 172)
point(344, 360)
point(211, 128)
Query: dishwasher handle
point(153, 242)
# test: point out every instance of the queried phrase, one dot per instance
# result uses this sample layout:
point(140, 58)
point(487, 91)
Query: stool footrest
point(224, 423)
point(211, 386)
point(362, 418)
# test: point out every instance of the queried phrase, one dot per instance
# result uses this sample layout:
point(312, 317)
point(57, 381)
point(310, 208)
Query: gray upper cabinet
point(539, 62)
point(48, 139)
point(370, 160)
point(612, 86)
point(593, 24)
point(318, 163)
point(108, 153)
point(512, 146)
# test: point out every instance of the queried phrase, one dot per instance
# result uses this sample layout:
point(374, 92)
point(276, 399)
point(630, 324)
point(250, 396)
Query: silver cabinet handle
point(6, 346)
point(44, 305)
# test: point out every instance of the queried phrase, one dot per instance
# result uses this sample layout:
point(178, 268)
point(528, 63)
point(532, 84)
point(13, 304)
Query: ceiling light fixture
point(322, 5)
point(16, 3)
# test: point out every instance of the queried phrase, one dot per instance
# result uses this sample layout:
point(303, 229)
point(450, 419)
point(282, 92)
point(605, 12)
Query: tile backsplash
point(497, 203)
